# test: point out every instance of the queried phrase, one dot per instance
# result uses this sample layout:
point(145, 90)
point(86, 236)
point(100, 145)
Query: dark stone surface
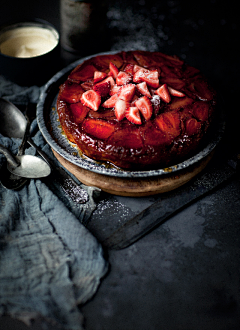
point(185, 274)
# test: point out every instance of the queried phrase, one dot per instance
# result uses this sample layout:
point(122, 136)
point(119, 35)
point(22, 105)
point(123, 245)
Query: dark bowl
point(27, 71)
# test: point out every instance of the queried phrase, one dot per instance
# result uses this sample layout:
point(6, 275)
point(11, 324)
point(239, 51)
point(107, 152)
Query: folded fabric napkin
point(50, 263)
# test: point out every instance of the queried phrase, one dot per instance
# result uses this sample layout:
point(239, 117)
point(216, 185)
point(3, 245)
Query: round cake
point(137, 110)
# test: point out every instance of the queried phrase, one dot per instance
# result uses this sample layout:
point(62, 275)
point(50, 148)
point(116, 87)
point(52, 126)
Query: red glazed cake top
point(137, 110)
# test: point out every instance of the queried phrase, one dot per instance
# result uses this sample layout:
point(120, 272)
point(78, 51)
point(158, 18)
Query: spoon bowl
point(25, 166)
point(19, 168)
point(30, 167)
point(13, 123)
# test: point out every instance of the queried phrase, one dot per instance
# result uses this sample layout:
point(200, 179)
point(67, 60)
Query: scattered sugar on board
point(114, 208)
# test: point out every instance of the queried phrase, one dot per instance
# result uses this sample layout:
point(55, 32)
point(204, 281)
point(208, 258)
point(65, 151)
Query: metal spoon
point(26, 166)
point(15, 173)
point(13, 124)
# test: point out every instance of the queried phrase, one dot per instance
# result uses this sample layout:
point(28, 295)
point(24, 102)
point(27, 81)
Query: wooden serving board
point(134, 187)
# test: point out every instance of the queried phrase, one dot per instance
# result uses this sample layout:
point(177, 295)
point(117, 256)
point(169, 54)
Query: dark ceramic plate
point(49, 126)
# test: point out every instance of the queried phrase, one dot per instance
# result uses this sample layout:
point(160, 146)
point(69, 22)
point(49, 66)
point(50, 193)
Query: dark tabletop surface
point(184, 274)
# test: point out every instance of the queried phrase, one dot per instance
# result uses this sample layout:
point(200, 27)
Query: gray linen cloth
point(50, 263)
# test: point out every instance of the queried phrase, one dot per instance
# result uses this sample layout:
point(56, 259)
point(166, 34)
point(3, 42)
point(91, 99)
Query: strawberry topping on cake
point(136, 109)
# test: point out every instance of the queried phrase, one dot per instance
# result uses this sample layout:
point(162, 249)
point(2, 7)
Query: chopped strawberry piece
point(175, 92)
point(110, 80)
point(151, 78)
point(169, 123)
point(91, 99)
point(82, 73)
point(137, 77)
point(113, 70)
point(143, 89)
point(110, 103)
point(123, 78)
point(192, 126)
point(126, 92)
point(133, 115)
point(102, 88)
point(98, 76)
point(120, 109)
point(145, 107)
point(115, 89)
point(164, 93)
point(98, 128)
point(129, 69)
point(137, 67)
point(79, 111)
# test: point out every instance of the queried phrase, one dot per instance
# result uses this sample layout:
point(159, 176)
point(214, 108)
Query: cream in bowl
point(29, 52)
point(28, 41)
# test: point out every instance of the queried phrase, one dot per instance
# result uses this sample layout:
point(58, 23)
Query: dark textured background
point(185, 274)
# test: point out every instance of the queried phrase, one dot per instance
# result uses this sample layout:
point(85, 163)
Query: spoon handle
point(24, 140)
point(10, 158)
point(74, 191)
